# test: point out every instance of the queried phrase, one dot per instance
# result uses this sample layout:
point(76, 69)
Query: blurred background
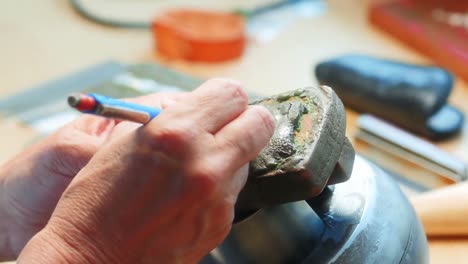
point(50, 44)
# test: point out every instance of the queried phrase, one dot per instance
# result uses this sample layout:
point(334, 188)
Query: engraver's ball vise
point(309, 199)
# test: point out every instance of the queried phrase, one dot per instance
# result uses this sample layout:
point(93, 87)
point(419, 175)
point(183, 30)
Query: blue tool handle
point(105, 100)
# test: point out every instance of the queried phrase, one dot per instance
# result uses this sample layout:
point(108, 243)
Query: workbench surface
point(46, 40)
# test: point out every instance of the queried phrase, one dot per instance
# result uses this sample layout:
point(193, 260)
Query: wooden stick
point(444, 212)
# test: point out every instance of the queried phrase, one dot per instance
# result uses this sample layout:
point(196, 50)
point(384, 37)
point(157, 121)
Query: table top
point(48, 40)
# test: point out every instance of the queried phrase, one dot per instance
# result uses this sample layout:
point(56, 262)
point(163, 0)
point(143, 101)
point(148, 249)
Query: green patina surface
point(297, 115)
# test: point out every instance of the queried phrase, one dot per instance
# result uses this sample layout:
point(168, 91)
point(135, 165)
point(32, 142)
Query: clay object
point(307, 151)
point(413, 97)
point(199, 35)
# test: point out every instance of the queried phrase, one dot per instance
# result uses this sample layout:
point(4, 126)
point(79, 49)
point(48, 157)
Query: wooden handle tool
point(444, 212)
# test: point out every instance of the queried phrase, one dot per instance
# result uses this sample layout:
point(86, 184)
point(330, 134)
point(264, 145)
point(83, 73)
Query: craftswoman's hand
point(32, 182)
point(161, 193)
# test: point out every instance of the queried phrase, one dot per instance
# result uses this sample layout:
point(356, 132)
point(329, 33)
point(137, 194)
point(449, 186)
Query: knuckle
point(236, 91)
point(221, 82)
point(205, 179)
point(174, 135)
point(230, 87)
point(172, 131)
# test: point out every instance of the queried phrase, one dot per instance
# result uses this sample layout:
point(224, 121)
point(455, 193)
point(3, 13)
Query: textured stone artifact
point(308, 151)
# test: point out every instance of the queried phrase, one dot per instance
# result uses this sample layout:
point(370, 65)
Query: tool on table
point(421, 163)
point(444, 212)
point(413, 97)
point(112, 108)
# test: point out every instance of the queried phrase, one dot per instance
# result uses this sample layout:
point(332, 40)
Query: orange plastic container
point(197, 35)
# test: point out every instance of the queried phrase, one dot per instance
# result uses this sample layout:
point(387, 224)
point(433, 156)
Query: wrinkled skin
point(161, 192)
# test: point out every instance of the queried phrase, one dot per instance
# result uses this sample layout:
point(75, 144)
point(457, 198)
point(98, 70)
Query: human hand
point(32, 182)
point(164, 192)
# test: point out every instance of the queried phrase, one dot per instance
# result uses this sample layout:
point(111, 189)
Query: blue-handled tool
point(112, 108)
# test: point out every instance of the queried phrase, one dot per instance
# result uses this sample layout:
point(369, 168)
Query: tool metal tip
point(73, 100)
point(82, 102)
